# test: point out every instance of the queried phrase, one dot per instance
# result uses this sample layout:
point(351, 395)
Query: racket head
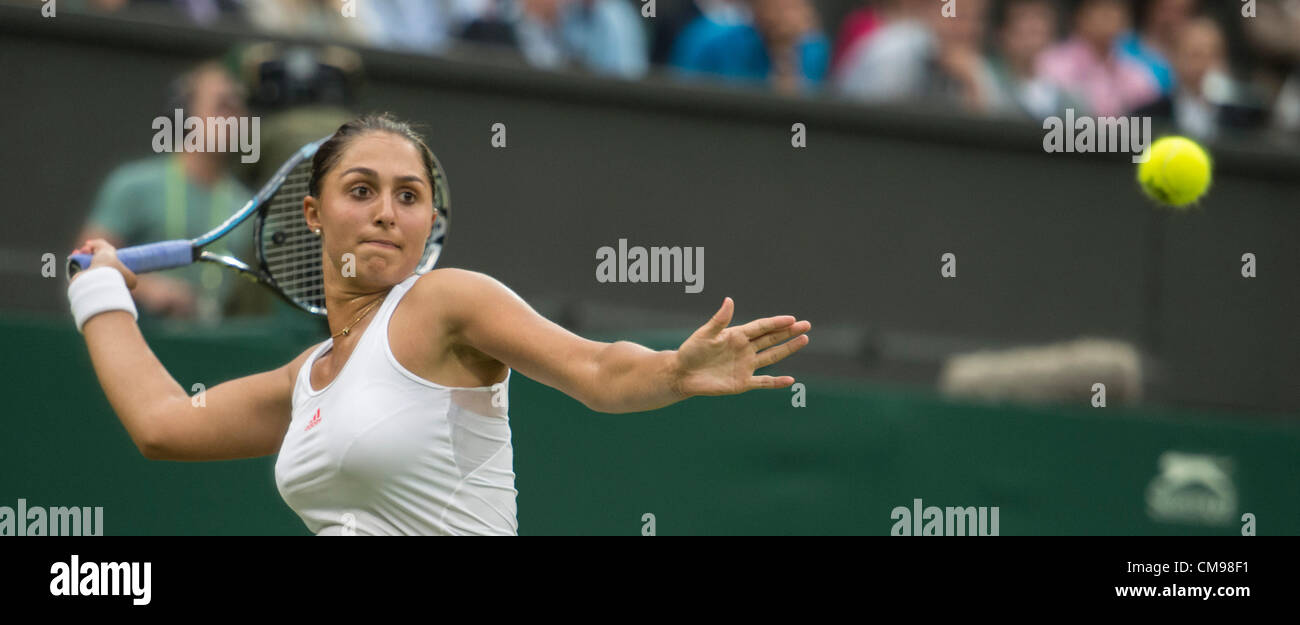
point(290, 254)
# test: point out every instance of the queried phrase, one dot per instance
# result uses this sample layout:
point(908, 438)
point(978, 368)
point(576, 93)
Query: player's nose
point(387, 212)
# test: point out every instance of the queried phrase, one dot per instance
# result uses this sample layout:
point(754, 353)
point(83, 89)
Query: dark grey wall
point(847, 232)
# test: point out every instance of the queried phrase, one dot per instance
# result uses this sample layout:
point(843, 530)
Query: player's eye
point(359, 191)
point(407, 197)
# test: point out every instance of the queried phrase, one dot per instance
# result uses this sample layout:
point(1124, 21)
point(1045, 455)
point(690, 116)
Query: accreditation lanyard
point(176, 213)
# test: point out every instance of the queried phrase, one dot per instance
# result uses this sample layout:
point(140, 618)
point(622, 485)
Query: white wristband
point(99, 290)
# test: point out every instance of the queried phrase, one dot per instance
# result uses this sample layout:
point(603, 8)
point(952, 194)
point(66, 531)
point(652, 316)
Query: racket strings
point(291, 251)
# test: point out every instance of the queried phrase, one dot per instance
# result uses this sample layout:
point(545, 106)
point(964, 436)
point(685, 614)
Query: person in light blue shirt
point(422, 26)
point(605, 37)
point(608, 36)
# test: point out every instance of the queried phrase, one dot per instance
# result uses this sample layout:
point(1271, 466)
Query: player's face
point(377, 204)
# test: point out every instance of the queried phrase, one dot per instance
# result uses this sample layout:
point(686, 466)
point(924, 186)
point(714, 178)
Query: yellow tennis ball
point(1176, 172)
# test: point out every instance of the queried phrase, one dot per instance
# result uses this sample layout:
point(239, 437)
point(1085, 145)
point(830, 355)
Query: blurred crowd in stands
point(1204, 67)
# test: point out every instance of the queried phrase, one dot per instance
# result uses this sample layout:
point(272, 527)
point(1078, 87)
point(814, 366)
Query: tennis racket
point(288, 254)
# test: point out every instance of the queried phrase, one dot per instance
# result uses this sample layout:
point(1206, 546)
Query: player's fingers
point(776, 354)
point(768, 381)
point(780, 335)
point(96, 245)
point(720, 319)
point(759, 327)
point(103, 254)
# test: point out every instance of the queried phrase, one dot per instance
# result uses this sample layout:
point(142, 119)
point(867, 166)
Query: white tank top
point(381, 450)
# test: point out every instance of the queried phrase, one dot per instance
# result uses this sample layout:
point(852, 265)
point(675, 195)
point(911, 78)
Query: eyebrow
point(366, 171)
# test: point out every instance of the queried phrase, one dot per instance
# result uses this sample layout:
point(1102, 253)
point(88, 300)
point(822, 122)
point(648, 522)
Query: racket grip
point(144, 258)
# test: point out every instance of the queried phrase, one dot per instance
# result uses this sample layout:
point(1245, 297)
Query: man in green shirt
point(180, 195)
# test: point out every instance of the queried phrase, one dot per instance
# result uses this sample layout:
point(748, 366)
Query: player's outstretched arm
point(242, 418)
point(619, 377)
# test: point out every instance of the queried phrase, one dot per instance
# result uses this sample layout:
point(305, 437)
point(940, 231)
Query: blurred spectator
point(316, 19)
point(1159, 22)
point(179, 196)
point(1026, 28)
point(422, 26)
point(923, 54)
point(607, 36)
point(603, 36)
point(891, 63)
point(798, 51)
point(671, 17)
point(960, 71)
point(1274, 35)
point(715, 18)
point(1205, 99)
point(486, 22)
point(206, 11)
point(202, 12)
point(537, 31)
point(1089, 65)
point(782, 44)
point(857, 27)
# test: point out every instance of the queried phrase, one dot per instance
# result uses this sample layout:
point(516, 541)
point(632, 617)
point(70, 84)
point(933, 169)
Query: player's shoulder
point(455, 295)
point(292, 368)
point(453, 281)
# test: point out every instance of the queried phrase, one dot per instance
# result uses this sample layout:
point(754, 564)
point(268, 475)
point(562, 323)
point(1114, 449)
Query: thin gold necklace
point(348, 328)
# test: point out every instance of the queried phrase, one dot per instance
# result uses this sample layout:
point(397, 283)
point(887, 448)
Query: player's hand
point(717, 360)
point(103, 254)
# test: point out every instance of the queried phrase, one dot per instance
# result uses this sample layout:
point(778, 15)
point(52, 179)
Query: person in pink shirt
point(1089, 66)
point(855, 28)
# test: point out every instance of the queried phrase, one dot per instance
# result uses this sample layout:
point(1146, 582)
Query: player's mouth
point(382, 243)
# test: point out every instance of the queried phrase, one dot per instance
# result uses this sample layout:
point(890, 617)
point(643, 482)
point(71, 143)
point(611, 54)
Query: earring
point(318, 232)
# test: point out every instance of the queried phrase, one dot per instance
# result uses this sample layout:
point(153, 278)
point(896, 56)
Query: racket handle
point(144, 258)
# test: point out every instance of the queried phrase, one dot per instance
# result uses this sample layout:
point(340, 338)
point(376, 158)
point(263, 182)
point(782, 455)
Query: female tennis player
point(397, 424)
